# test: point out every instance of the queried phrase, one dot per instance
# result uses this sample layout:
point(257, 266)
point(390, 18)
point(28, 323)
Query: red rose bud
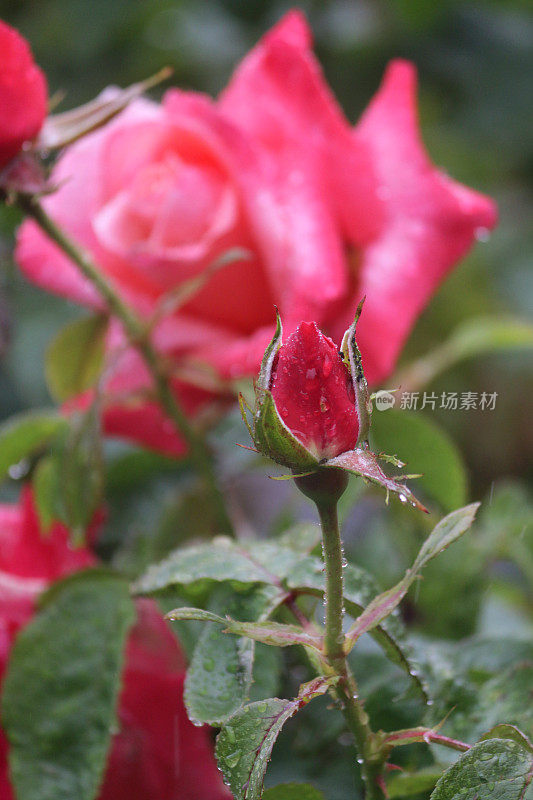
point(313, 409)
point(313, 393)
point(312, 399)
point(23, 94)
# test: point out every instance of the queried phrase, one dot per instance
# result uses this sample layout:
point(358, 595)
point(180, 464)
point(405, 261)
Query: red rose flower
point(313, 392)
point(329, 213)
point(158, 753)
point(23, 94)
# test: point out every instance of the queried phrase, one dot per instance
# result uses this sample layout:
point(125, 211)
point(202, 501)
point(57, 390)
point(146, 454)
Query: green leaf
point(365, 464)
point(220, 674)
point(359, 590)
point(505, 698)
point(61, 688)
point(408, 784)
point(472, 338)
point(427, 449)
point(218, 677)
point(25, 434)
point(302, 537)
point(273, 633)
point(75, 358)
point(293, 791)
point(80, 478)
point(447, 531)
point(497, 769)
point(45, 488)
point(244, 745)
point(190, 570)
point(505, 731)
point(266, 672)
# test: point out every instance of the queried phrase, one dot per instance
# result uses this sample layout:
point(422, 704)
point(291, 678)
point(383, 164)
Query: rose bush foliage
point(157, 752)
point(328, 212)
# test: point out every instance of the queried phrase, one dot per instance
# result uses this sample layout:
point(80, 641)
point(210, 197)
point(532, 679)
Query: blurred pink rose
point(329, 213)
point(158, 753)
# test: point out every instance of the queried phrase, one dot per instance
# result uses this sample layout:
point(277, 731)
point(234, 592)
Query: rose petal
point(429, 223)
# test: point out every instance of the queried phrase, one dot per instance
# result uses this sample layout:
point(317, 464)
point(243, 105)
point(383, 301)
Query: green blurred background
point(475, 63)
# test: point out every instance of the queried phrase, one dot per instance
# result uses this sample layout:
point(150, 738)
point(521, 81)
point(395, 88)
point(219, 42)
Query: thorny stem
point(427, 735)
point(137, 335)
point(371, 758)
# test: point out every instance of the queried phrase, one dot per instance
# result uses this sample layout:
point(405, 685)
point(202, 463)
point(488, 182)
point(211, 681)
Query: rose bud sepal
point(270, 434)
point(351, 356)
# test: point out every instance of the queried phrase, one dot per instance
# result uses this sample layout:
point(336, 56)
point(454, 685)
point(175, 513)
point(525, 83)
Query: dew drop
point(326, 367)
point(310, 374)
point(209, 665)
point(402, 498)
point(230, 733)
point(284, 412)
point(262, 707)
point(17, 471)
point(482, 234)
point(233, 758)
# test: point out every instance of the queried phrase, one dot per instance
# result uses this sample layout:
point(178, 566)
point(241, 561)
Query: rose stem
point(136, 333)
point(325, 489)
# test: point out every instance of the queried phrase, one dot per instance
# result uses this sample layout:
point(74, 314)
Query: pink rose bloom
point(329, 213)
point(158, 753)
point(23, 94)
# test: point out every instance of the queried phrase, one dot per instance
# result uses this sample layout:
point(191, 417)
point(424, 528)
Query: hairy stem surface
point(370, 758)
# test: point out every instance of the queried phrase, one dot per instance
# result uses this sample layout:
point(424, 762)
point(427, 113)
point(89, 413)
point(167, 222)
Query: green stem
point(137, 335)
point(427, 735)
point(370, 757)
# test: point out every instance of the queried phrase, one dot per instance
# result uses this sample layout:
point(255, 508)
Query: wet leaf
point(447, 531)
point(220, 674)
point(496, 769)
point(193, 568)
point(365, 464)
point(62, 685)
point(25, 434)
point(272, 633)
point(245, 743)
